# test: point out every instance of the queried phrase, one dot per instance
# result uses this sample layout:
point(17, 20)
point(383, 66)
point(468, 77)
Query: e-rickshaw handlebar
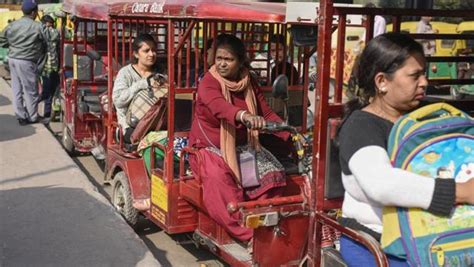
point(298, 140)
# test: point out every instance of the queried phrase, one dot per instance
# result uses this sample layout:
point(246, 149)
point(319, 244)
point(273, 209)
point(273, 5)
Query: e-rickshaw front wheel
point(122, 199)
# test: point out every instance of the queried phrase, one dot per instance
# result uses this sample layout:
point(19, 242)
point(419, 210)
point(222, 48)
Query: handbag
point(247, 160)
point(248, 168)
point(143, 101)
point(153, 120)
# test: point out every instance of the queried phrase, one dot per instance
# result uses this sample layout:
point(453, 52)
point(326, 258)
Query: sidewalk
point(50, 214)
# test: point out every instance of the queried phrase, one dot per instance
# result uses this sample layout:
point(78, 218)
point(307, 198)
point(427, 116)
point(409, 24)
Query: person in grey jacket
point(26, 41)
point(134, 77)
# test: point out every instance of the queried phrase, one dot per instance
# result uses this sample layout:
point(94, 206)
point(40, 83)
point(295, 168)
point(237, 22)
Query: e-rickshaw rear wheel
point(66, 140)
point(122, 199)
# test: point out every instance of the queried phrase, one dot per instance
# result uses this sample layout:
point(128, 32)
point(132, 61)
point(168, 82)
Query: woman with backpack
point(392, 82)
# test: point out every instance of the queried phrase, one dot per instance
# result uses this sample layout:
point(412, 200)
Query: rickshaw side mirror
point(304, 35)
point(280, 87)
point(94, 55)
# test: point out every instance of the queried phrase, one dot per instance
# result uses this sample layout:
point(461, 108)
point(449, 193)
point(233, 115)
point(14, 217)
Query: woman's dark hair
point(138, 42)
point(385, 53)
point(235, 45)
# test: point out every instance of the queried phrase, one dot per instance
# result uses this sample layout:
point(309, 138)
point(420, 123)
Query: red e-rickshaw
point(163, 190)
point(290, 230)
point(325, 193)
point(83, 78)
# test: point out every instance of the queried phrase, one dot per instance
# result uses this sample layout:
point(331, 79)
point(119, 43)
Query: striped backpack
point(434, 141)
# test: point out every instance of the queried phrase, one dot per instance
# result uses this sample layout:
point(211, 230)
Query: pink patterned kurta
point(219, 187)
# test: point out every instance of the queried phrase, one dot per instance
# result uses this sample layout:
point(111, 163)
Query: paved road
point(50, 213)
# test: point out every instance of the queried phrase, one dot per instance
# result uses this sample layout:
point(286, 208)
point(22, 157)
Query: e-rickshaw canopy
point(198, 9)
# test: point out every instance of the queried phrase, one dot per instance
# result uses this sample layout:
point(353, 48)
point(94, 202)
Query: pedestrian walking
point(50, 75)
point(26, 41)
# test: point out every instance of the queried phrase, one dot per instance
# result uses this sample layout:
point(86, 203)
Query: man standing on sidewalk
point(26, 41)
point(50, 75)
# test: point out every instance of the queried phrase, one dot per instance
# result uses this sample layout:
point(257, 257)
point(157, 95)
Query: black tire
point(122, 199)
point(66, 140)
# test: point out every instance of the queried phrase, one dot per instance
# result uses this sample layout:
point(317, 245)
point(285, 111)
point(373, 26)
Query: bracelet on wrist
point(242, 116)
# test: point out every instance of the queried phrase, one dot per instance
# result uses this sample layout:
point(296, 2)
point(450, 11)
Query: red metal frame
point(326, 109)
point(85, 128)
point(304, 197)
point(186, 212)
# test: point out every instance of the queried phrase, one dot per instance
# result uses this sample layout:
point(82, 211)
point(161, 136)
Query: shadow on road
point(57, 226)
point(146, 228)
point(33, 175)
point(4, 100)
point(11, 130)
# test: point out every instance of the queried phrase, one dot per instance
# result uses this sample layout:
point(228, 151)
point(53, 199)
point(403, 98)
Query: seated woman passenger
point(392, 82)
point(133, 78)
point(228, 98)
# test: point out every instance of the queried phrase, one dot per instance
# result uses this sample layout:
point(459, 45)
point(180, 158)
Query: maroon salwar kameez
point(219, 186)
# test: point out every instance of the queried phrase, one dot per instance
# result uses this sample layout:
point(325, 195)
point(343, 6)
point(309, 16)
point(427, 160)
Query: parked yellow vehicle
point(445, 47)
point(465, 27)
point(465, 70)
point(7, 15)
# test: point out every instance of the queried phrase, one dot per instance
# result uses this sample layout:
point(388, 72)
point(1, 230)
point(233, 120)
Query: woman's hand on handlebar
point(252, 121)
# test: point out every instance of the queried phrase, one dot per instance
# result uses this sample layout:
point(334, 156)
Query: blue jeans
point(356, 254)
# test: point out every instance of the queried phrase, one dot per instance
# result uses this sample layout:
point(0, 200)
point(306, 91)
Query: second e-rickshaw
point(163, 189)
point(296, 229)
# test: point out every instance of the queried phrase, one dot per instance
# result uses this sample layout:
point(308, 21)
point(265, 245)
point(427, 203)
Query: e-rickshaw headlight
point(263, 219)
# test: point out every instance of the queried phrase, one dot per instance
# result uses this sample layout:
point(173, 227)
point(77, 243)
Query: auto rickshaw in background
point(8, 13)
point(465, 70)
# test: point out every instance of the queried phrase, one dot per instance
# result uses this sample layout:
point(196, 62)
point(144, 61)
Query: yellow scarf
point(227, 132)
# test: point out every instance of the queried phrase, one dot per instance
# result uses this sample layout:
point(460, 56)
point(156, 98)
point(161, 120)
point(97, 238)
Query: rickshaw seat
point(88, 98)
point(84, 63)
point(91, 89)
point(67, 56)
point(333, 187)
